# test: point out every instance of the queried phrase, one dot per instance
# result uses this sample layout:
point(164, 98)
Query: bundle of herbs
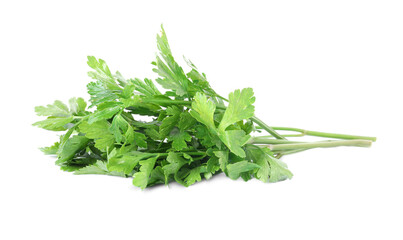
point(193, 133)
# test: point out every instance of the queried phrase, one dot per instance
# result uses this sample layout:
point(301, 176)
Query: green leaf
point(54, 123)
point(102, 73)
point(128, 90)
point(157, 176)
point(77, 105)
point(172, 74)
point(246, 176)
point(99, 167)
point(169, 122)
point(200, 82)
point(197, 78)
point(175, 163)
point(205, 137)
point(52, 150)
point(262, 159)
point(108, 105)
point(246, 126)
point(186, 121)
point(173, 111)
point(234, 140)
point(203, 111)
point(57, 109)
point(125, 161)
point(133, 101)
point(140, 179)
point(106, 113)
point(99, 131)
point(140, 139)
point(194, 175)
point(213, 164)
point(278, 169)
point(240, 107)
point(118, 125)
point(208, 175)
point(129, 135)
point(153, 134)
point(222, 159)
point(70, 168)
point(64, 138)
point(145, 87)
point(121, 80)
point(169, 80)
point(235, 169)
point(71, 147)
point(179, 139)
point(99, 94)
point(128, 98)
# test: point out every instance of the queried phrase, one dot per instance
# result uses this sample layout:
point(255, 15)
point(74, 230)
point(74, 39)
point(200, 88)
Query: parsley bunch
point(193, 133)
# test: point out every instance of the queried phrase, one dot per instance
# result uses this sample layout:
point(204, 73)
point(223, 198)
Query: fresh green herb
point(193, 133)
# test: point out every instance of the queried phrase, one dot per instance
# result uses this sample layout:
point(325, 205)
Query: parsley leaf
point(278, 169)
point(235, 169)
point(99, 131)
point(194, 175)
point(169, 122)
point(240, 107)
point(71, 147)
point(262, 159)
point(172, 74)
point(102, 73)
point(222, 159)
point(99, 94)
point(175, 162)
point(54, 123)
point(145, 87)
point(140, 179)
point(106, 113)
point(57, 109)
point(52, 150)
point(99, 167)
point(203, 111)
point(179, 139)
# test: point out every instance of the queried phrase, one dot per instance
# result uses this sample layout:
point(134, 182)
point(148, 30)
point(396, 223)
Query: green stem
point(324, 134)
point(325, 144)
point(260, 140)
point(284, 135)
point(287, 152)
point(266, 127)
point(166, 101)
point(190, 153)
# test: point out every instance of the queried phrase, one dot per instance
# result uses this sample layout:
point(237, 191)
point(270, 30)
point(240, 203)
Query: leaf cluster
point(133, 129)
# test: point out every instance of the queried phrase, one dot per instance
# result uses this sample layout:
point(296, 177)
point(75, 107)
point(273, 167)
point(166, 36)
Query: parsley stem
point(324, 144)
point(264, 140)
point(287, 152)
point(284, 135)
point(266, 127)
point(324, 134)
point(189, 153)
point(167, 101)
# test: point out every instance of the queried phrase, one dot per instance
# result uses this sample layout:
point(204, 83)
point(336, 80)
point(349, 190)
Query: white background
point(321, 65)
